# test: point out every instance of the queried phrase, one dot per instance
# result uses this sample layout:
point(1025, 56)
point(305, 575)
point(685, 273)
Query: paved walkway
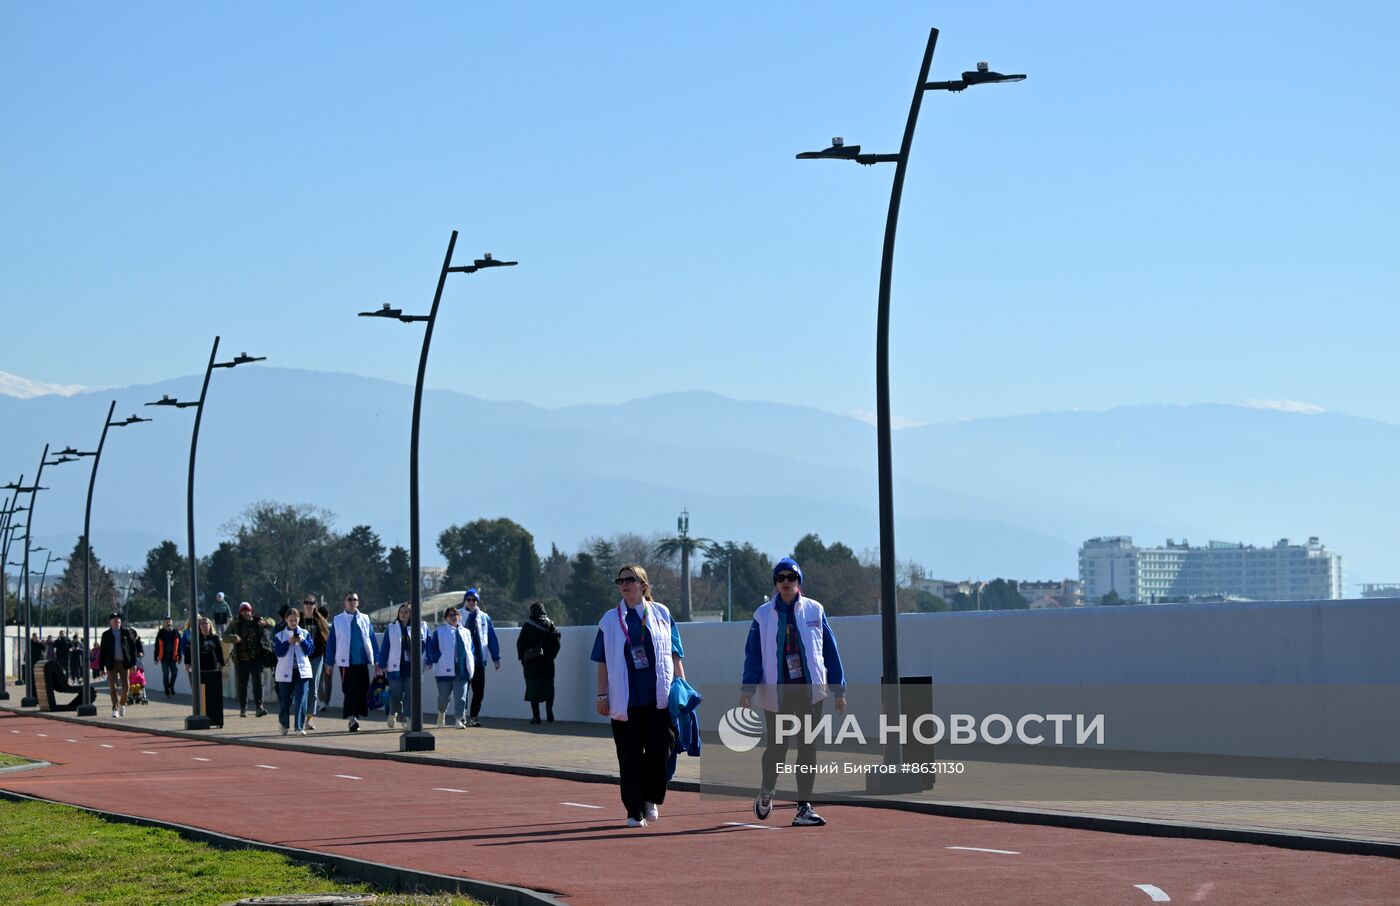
point(565, 837)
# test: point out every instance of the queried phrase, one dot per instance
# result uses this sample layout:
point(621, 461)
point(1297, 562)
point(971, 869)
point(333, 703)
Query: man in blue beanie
point(483, 633)
point(790, 665)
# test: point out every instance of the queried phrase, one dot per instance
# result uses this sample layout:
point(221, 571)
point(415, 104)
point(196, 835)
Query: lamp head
point(387, 311)
point(839, 150)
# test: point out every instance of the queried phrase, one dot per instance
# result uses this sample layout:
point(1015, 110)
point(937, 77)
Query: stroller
point(136, 686)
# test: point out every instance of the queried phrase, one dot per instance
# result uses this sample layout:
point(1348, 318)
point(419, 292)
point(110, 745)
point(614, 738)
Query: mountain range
point(1012, 496)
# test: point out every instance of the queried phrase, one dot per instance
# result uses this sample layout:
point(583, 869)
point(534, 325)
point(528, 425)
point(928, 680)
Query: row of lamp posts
point(415, 738)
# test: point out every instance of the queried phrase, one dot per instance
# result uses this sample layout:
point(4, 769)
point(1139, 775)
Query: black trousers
point(643, 743)
point(478, 686)
point(168, 671)
point(799, 704)
point(354, 686)
point(211, 683)
point(242, 670)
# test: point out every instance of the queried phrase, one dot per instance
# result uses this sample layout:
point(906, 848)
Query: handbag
point(532, 653)
point(378, 695)
point(269, 659)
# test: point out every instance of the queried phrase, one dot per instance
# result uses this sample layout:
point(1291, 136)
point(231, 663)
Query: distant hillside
point(1007, 496)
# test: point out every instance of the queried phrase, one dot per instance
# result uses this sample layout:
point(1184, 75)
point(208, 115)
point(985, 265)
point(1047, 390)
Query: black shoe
point(534, 720)
point(354, 725)
point(262, 712)
point(763, 804)
point(807, 816)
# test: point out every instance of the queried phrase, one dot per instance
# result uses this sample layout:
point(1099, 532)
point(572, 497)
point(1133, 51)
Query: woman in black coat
point(211, 672)
point(538, 646)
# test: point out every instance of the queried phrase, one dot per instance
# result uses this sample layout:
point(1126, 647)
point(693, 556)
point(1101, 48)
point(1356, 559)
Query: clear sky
point(1185, 202)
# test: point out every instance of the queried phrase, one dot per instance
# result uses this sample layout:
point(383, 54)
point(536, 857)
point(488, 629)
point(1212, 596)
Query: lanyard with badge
point(793, 658)
point(637, 651)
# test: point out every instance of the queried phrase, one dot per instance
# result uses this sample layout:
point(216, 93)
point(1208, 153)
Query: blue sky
point(1187, 203)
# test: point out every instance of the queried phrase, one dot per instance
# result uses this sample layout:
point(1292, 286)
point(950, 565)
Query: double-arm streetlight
point(415, 738)
point(86, 708)
point(29, 700)
point(197, 719)
point(8, 527)
point(43, 609)
point(889, 605)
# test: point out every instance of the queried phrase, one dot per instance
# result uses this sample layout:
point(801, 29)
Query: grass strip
point(55, 854)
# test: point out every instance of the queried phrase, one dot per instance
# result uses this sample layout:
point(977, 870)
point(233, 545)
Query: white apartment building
point(1178, 571)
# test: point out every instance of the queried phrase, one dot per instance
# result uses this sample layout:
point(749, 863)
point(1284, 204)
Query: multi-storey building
point(1178, 571)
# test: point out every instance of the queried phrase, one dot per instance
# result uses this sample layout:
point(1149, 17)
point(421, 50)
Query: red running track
point(534, 832)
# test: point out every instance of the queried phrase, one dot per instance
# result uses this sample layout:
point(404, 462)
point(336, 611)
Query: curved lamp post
point(43, 609)
point(8, 526)
point(197, 720)
point(415, 738)
point(889, 604)
point(86, 708)
point(29, 700)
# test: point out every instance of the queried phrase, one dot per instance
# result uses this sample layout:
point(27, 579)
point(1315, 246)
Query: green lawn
point(61, 855)
point(7, 761)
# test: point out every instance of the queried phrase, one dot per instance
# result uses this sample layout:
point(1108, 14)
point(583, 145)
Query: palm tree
point(682, 543)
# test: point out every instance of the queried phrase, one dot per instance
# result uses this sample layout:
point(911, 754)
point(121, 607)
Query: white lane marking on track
point(980, 849)
point(270, 767)
point(14, 731)
point(580, 805)
point(70, 740)
point(755, 826)
point(106, 746)
point(197, 758)
point(1157, 894)
point(446, 789)
point(349, 777)
point(1203, 891)
point(41, 734)
point(144, 752)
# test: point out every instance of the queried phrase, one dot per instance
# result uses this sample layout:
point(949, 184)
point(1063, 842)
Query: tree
point(916, 600)
point(590, 591)
point(166, 557)
point(398, 582)
point(481, 549)
point(350, 562)
point(683, 544)
point(744, 567)
point(1112, 598)
point(555, 572)
point(222, 571)
point(277, 546)
point(527, 571)
point(68, 596)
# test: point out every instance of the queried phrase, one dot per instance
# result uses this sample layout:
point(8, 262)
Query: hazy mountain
point(1007, 496)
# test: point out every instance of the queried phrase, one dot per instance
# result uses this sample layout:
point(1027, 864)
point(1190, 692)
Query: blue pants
point(313, 695)
point(291, 698)
point(400, 694)
point(452, 695)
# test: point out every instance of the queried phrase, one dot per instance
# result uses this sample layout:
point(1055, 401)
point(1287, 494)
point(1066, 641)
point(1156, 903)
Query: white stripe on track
point(70, 740)
point(197, 758)
point(580, 805)
point(270, 767)
point(149, 753)
point(41, 734)
point(979, 849)
point(446, 789)
point(349, 777)
point(1157, 894)
point(755, 826)
point(106, 746)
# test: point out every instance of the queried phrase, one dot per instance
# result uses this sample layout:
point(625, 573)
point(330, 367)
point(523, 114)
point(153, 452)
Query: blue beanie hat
point(785, 564)
point(471, 593)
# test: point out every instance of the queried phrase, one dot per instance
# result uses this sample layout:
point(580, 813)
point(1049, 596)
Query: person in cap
point(638, 652)
point(250, 648)
point(118, 647)
point(483, 635)
point(791, 664)
point(221, 612)
point(351, 648)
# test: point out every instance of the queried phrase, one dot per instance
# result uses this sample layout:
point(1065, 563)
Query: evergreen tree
point(527, 572)
point(397, 581)
point(68, 596)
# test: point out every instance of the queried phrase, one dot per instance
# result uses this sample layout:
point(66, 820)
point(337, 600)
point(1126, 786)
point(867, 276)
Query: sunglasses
point(626, 580)
point(785, 577)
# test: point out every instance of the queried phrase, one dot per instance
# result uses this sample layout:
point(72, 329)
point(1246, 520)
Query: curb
point(386, 877)
point(1070, 820)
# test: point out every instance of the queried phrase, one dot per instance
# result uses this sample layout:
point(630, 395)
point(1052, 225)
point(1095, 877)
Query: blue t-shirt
point(641, 681)
point(357, 643)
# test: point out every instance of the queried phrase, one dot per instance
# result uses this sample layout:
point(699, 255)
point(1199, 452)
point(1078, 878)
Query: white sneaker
point(636, 822)
point(391, 720)
point(652, 812)
point(285, 731)
point(114, 713)
point(461, 724)
point(442, 717)
point(301, 732)
point(121, 712)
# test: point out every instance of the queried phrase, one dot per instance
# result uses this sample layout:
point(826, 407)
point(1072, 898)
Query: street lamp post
point(198, 720)
point(889, 604)
point(415, 738)
point(29, 700)
point(43, 611)
point(7, 530)
point(86, 708)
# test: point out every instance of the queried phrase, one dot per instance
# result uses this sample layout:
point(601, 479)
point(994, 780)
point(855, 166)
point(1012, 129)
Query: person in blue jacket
point(638, 652)
point(790, 665)
point(449, 654)
point(293, 646)
point(483, 633)
point(395, 661)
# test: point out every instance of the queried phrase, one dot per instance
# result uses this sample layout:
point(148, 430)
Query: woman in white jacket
point(293, 648)
point(449, 653)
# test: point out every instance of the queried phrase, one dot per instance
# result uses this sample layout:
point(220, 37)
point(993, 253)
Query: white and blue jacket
point(292, 657)
point(485, 632)
point(394, 651)
point(441, 650)
point(338, 645)
point(763, 651)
